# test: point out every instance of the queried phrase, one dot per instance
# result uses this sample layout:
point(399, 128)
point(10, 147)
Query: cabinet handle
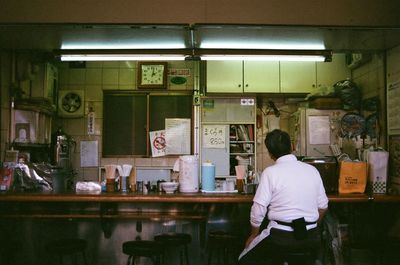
point(239, 85)
point(247, 85)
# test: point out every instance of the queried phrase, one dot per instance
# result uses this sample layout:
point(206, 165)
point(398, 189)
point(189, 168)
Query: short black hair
point(278, 143)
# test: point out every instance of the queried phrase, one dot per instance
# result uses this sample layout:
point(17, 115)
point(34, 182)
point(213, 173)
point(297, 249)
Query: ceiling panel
point(67, 36)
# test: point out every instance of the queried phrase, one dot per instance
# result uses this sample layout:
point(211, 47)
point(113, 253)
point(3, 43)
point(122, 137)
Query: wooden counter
point(172, 198)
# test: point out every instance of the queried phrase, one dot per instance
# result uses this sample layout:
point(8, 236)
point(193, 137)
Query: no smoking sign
point(158, 143)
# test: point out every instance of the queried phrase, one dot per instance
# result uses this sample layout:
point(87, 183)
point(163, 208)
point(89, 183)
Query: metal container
point(58, 179)
point(328, 169)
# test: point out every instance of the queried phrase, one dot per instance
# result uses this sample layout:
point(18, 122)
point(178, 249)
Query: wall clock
point(152, 75)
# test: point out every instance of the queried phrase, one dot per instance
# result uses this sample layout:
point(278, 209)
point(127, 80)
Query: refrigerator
point(313, 131)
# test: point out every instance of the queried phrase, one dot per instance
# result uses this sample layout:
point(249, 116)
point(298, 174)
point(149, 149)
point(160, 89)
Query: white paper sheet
point(177, 136)
point(89, 154)
point(319, 130)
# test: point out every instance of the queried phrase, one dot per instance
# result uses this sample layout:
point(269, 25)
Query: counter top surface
point(173, 198)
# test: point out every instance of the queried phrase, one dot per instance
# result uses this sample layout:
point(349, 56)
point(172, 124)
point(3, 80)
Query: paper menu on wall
point(177, 136)
point(319, 130)
point(89, 154)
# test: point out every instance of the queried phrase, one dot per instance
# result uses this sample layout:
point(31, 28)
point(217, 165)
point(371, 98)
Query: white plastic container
point(188, 173)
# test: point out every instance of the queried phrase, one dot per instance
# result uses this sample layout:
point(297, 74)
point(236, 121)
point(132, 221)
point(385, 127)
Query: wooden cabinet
point(328, 73)
point(242, 77)
point(297, 77)
point(225, 76)
point(260, 77)
point(274, 77)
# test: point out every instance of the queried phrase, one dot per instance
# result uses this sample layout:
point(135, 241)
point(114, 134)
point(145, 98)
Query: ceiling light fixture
point(264, 55)
point(190, 54)
point(123, 55)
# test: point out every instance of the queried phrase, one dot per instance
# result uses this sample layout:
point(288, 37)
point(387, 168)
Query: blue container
point(208, 177)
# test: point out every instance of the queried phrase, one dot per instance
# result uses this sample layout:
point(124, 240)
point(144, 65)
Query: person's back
point(293, 194)
point(296, 190)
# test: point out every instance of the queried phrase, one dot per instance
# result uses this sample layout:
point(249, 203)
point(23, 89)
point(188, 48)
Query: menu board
point(214, 136)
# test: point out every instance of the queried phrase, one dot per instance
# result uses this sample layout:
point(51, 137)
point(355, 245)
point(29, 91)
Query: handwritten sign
point(214, 136)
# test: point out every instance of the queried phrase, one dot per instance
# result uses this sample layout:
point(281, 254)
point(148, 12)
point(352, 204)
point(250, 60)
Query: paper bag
point(353, 177)
point(378, 163)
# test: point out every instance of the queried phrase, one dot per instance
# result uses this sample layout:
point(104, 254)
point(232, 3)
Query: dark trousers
point(278, 242)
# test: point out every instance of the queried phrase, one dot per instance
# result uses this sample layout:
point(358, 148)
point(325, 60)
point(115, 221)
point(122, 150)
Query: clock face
point(152, 74)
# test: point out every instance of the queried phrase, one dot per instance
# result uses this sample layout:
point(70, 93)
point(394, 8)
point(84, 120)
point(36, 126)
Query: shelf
point(241, 142)
point(247, 154)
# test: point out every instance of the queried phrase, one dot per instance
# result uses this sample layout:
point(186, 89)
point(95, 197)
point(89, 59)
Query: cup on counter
point(139, 186)
point(239, 184)
point(124, 183)
point(110, 184)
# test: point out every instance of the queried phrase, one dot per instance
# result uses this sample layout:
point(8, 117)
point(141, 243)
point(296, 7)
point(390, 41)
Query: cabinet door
point(227, 110)
point(297, 77)
point(261, 77)
point(225, 76)
point(328, 73)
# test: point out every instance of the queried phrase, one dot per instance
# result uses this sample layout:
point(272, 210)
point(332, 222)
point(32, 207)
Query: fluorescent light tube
point(296, 58)
point(121, 57)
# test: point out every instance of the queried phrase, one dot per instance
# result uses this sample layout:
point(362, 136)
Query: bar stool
point(224, 245)
point(176, 240)
point(73, 247)
point(143, 248)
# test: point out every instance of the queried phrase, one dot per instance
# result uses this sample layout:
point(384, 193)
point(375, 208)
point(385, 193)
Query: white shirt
point(290, 189)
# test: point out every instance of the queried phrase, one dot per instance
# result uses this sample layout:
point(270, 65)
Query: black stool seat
point(67, 246)
point(224, 244)
point(143, 248)
point(176, 240)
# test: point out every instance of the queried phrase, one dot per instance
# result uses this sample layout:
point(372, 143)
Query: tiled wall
point(93, 79)
point(370, 77)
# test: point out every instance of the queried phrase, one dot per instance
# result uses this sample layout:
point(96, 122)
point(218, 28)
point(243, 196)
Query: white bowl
point(169, 187)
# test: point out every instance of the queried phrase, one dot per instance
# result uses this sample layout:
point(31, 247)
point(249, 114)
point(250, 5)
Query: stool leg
point(186, 254)
point(84, 258)
point(129, 260)
point(225, 256)
point(210, 253)
point(60, 260)
point(181, 257)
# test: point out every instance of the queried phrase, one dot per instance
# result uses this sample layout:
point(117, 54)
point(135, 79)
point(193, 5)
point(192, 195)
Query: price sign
point(214, 136)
